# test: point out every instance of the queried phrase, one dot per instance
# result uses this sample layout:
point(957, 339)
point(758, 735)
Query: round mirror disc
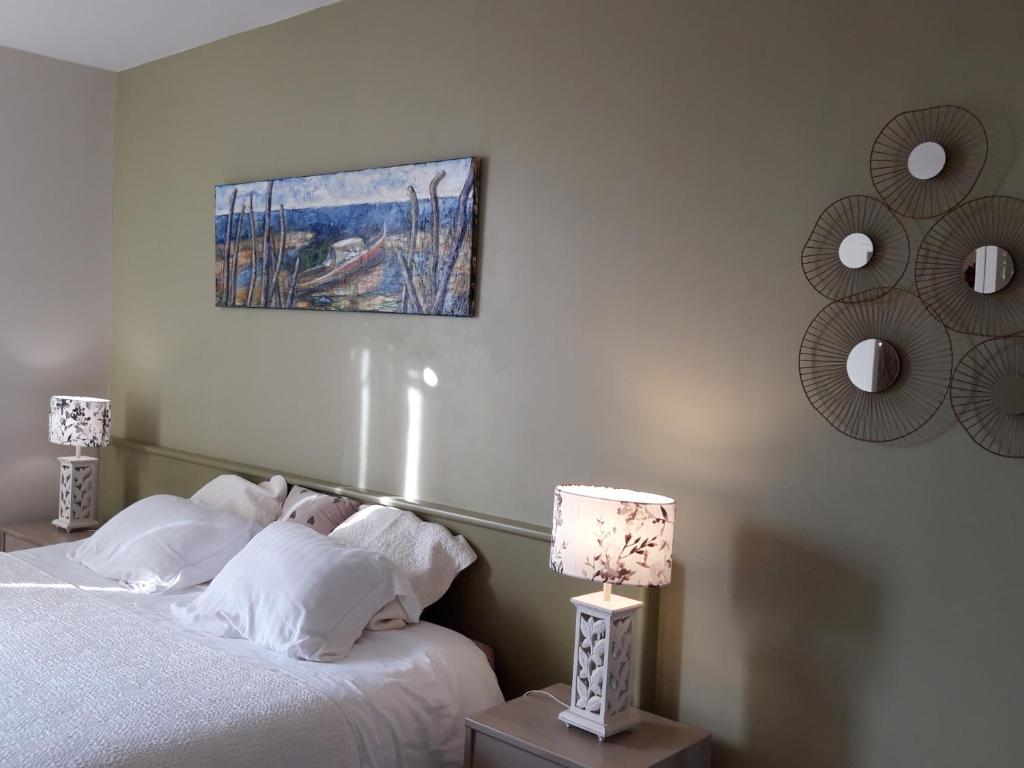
point(856, 250)
point(926, 160)
point(988, 269)
point(873, 365)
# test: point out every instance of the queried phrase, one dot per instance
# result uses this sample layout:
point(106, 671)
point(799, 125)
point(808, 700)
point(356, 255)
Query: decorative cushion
point(231, 493)
point(298, 593)
point(319, 511)
point(426, 554)
point(164, 543)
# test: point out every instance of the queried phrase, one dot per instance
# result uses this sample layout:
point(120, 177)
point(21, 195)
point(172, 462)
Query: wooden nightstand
point(37, 533)
point(526, 733)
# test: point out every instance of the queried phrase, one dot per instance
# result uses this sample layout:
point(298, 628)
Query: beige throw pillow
point(319, 511)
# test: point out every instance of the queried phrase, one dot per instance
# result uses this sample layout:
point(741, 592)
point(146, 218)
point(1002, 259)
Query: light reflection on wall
point(364, 414)
point(414, 428)
point(413, 440)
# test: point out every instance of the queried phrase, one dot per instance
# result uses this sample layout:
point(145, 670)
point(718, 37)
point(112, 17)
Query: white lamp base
point(616, 724)
point(75, 525)
point(79, 492)
point(602, 656)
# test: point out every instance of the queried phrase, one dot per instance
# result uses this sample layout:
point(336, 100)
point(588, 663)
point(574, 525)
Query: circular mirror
point(988, 269)
point(856, 250)
point(926, 160)
point(873, 365)
point(1008, 394)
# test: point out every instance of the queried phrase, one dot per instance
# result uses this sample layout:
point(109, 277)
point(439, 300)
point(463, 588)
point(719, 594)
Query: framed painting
point(399, 239)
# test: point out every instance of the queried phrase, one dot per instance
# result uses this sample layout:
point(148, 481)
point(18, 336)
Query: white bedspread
point(90, 683)
point(102, 676)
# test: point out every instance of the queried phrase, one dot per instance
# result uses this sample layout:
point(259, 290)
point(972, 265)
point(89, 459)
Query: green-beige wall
point(651, 171)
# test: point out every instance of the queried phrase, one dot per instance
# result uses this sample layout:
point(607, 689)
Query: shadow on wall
point(1002, 151)
point(810, 625)
point(141, 422)
point(672, 614)
point(141, 416)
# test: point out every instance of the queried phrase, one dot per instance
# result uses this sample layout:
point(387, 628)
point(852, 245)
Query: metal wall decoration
point(877, 362)
point(876, 369)
point(857, 248)
point(926, 161)
point(987, 393)
point(965, 267)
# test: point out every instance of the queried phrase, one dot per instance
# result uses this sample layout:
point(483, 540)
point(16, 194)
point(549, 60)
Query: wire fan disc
point(987, 393)
point(926, 161)
point(878, 272)
point(940, 269)
point(925, 363)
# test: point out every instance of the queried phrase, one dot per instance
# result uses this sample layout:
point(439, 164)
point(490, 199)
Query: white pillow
point(426, 554)
point(231, 493)
point(295, 591)
point(164, 543)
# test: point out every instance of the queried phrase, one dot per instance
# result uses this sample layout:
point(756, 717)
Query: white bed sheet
point(406, 691)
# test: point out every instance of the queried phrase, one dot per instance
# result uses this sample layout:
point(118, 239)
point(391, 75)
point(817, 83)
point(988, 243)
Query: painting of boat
point(347, 257)
point(400, 239)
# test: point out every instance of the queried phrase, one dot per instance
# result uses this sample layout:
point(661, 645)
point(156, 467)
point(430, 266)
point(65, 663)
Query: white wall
point(56, 187)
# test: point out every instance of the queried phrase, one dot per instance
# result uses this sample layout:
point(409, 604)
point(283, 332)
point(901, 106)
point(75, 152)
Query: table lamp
point(616, 537)
point(81, 422)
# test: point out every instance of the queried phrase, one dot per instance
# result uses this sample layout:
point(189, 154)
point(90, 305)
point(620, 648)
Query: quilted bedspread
point(84, 682)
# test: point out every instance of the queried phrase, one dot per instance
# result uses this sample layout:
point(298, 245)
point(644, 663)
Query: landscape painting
point(399, 239)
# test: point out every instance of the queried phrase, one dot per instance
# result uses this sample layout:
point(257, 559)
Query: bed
point(95, 674)
point(509, 585)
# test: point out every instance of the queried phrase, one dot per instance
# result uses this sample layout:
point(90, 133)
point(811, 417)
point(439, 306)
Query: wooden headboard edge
point(364, 495)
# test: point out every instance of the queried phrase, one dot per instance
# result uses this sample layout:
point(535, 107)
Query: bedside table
point(526, 733)
point(37, 533)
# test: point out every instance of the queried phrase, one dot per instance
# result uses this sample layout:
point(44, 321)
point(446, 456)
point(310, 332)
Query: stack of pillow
point(298, 572)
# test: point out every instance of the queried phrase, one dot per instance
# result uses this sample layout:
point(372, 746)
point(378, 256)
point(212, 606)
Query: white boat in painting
point(345, 258)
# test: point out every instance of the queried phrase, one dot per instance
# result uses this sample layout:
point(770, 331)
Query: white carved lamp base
point(79, 487)
point(600, 701)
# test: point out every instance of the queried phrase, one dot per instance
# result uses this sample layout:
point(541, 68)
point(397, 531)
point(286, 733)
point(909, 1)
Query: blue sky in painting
point(377, 185)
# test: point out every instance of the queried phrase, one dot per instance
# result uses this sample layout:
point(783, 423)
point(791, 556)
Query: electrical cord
point(550, 696)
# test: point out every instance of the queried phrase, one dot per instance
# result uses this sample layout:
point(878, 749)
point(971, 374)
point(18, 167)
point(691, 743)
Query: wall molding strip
point(527, 530)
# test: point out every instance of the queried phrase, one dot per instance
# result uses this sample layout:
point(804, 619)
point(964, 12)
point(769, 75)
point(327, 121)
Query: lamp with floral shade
point(613, 536)
point(83, 422)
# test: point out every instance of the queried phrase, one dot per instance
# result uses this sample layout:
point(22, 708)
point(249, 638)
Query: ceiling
point(120, 34)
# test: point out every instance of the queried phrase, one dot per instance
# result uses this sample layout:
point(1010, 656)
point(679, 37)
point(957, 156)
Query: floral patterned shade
point(83, 421)
point(612, 535)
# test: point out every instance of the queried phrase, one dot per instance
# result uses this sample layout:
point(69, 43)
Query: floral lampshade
point(82, 421)
point(612, 535)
